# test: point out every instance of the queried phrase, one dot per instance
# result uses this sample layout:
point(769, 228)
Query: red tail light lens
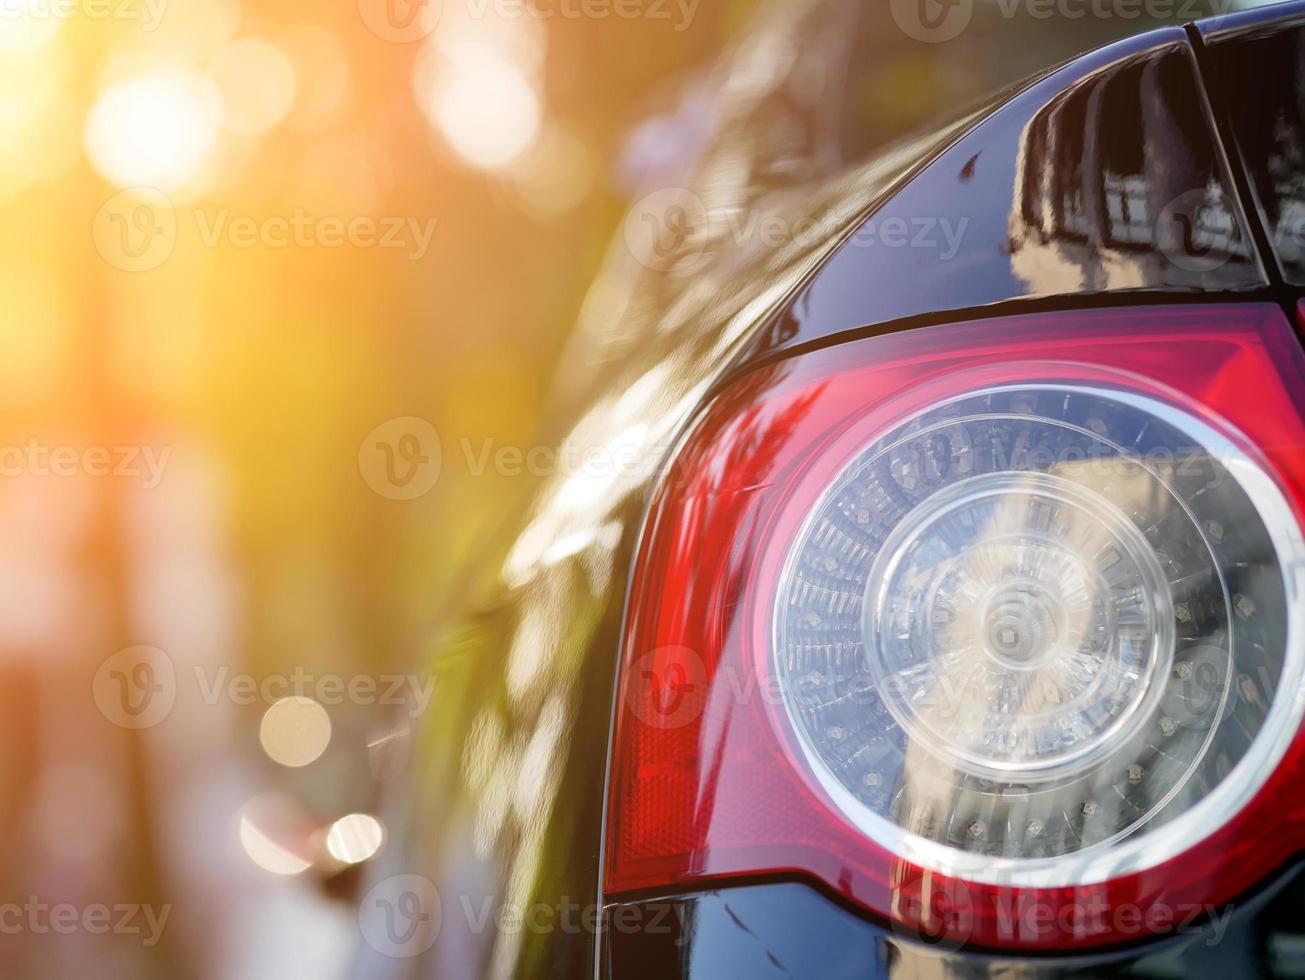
point(994, 629)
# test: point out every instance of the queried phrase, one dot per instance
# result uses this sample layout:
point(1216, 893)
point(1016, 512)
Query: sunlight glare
point(155, 129)
point(485, 108)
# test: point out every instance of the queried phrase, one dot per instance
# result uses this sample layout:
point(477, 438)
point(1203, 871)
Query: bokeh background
point(238, 238)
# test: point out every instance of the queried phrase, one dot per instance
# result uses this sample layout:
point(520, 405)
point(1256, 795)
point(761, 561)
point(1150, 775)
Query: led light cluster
point(1033, 621)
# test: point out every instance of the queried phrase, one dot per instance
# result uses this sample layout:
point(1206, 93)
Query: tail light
point(993, 629)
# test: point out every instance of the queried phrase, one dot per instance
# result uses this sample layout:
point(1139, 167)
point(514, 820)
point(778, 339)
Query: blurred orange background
point(237, 239)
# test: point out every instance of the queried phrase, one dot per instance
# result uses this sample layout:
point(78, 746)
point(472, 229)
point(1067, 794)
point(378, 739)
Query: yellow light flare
point(21, 31)
point(257, 83)
point(154, 129)
point(485, 108)
point(39, 120)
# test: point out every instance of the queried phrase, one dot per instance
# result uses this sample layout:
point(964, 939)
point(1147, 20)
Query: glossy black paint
point(501, 808)
point(1104, 177)
point(1262, 72)
point(1248, 23)
point(787, 930)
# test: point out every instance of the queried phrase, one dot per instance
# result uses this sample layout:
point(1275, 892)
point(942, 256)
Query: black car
point(920, 590)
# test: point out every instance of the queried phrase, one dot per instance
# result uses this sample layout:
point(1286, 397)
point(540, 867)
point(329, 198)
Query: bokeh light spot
point(155, 129)
point(355, 838)
point(295, 731)
point(266, 829)
point(258, 84)
point(556, 174)
point(486, 109)
point(321, 64)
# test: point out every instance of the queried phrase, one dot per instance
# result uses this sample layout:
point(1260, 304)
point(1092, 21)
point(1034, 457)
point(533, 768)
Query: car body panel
point(792, 931)
point(1093, 180)
point(501, 807)
point(1262, 73)
point(1269, 19)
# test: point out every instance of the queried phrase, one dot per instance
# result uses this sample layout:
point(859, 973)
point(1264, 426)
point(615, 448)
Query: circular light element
point(486, 108)
point(1040, 634)
point(271, 833)
point(295, 731)
point(155, 129)
point(355, 838)
point(1043, 600)
point(257, 81)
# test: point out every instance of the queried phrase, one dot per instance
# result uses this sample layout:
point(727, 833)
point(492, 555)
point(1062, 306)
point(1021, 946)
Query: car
point(917, 591)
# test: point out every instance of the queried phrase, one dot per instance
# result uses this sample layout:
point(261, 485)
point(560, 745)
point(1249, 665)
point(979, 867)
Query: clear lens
point(1043, 601)
point(1034, 621)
